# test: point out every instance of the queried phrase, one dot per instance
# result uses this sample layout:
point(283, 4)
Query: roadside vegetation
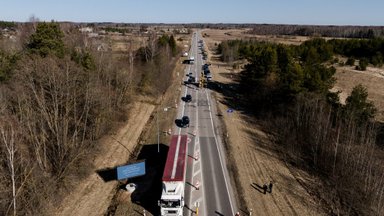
point(288, 87)
point(58, 97)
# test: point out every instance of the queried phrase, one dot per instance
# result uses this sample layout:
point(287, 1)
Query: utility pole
point(158, 133)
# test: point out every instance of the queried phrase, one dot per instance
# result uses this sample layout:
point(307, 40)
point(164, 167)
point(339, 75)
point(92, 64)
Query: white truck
point(191, 60)
point(172, 198)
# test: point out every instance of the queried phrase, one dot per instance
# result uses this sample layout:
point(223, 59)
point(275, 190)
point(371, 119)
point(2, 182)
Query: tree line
point(369, 51)
point(58, 96)
point(289, 88)
point(317, 30)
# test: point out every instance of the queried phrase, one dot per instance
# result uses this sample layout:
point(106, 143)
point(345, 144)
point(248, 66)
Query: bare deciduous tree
point(7, 134)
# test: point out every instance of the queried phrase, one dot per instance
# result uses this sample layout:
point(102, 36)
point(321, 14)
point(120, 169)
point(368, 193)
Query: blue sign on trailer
point(131, 170)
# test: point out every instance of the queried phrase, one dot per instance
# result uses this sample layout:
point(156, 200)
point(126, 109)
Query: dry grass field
point(373, 78)
point(216, 36)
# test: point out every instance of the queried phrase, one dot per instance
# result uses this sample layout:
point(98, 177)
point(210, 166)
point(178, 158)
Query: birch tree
point(7, 134)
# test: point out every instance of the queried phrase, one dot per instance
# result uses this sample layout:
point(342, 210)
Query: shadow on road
point(190, 184)
point(149, 187)
point(191, 210)
point(218, 213)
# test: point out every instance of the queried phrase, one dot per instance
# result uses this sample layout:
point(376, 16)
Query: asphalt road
point(208, 190)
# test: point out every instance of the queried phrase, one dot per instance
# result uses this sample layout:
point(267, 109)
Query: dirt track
point(93, 195)
point(258, 163)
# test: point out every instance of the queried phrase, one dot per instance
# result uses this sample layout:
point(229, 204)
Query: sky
point(311, 12)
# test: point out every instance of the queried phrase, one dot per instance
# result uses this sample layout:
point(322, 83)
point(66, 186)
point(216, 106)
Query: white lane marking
point(220, 157)
point(175, 160)
point(197, 172)
point(198, 200)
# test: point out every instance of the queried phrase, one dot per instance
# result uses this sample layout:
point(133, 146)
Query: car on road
point(188, 98)
point(185, 121)
point(191, 79)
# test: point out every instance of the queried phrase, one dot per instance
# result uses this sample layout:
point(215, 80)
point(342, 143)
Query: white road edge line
point(220, 157)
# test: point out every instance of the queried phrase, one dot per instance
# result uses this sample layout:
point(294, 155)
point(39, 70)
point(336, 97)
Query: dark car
point(191, 79)
point(188, 98)
point(185, 121)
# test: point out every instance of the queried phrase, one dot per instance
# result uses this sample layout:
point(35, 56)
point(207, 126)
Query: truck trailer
point(172, 198)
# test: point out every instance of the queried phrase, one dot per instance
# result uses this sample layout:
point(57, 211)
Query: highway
point(208, 190)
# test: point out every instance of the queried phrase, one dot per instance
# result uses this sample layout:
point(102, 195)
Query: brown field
point(122, 43)
point(373, 78)
point(216, 36)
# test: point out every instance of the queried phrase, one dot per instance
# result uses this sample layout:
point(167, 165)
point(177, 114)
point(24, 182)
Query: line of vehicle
point(183, 103)
point(186, 90)
point(202, 173)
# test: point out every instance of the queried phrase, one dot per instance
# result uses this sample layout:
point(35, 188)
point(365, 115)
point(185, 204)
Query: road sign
point(230, 110)
point(131, 170)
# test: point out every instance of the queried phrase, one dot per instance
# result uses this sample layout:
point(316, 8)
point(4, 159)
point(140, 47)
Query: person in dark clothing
point(265, 187)
point(270, 186)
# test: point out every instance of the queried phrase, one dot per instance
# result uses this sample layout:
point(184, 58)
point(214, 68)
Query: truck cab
point(172, 201)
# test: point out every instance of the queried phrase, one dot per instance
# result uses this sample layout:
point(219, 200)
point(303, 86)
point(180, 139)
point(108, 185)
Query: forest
point(288, 88)
point(318, 30)
point(58, 97)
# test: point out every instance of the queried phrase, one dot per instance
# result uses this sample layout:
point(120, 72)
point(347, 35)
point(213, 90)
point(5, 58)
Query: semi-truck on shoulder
point(172, 197)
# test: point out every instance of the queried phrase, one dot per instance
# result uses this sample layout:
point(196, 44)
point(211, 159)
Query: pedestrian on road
point(265, 187)
point(270, 186)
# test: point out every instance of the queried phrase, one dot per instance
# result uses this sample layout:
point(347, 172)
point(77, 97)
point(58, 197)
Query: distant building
point(86, 30)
